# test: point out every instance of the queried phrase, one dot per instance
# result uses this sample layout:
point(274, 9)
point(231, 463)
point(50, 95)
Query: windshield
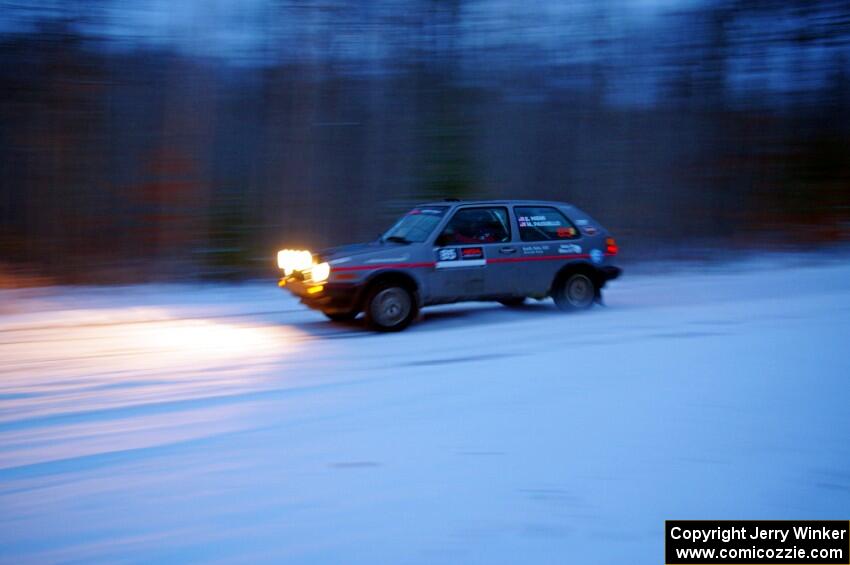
point(416, 225)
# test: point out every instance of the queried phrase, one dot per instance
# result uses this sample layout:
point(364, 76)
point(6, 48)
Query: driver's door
point(471, 235)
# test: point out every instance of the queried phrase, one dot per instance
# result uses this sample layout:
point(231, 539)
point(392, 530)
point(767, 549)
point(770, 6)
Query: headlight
point(291, 260)
point(320, 272)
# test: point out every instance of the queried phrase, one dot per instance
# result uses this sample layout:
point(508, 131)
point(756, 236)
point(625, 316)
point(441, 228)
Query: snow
point(229, 424)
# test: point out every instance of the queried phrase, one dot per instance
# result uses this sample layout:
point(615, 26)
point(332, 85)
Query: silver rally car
point(453, 251)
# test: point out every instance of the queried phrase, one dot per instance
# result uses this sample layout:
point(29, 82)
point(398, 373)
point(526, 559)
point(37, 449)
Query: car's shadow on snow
point(442, 317)
point(439, 318)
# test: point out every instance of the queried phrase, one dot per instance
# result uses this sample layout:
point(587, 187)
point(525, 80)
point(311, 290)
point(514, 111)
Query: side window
point(476, 225)
point(542, 223)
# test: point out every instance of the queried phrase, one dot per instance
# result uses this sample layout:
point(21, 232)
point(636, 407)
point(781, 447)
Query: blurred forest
point(152, 140)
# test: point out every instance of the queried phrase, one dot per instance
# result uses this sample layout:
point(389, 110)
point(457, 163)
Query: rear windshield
point(417, 224)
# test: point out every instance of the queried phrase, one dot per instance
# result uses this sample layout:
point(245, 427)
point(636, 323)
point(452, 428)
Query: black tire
point(513, 302)
point(340, 316)
point(575, 291)
point(389, 308)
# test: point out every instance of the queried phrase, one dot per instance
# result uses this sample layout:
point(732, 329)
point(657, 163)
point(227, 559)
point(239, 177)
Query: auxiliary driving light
point(320, 273)
point(291, 260)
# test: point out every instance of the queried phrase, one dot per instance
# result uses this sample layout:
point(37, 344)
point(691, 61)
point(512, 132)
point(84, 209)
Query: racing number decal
point(453, 257)
point(447, 254)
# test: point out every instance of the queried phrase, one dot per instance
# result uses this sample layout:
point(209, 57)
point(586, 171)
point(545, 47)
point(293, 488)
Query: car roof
point(453, 202)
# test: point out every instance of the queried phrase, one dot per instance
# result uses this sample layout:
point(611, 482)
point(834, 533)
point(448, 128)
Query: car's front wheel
point(389, 308)
point(575, 291)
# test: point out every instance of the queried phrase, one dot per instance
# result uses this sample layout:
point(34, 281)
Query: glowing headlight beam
point(320, 272)
point(291, 260)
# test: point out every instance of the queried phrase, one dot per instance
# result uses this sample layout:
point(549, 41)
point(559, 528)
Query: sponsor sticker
point(570, 248)
point(581, 222)
point(436, 211)
point(461, 264)
point(534, 249)
point(472, 252)
point(596, 255)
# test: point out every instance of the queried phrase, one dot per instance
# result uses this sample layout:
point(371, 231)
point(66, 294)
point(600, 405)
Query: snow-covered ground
point(228, 424)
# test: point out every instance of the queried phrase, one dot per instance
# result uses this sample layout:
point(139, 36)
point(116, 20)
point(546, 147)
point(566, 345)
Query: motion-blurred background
point(154, 139)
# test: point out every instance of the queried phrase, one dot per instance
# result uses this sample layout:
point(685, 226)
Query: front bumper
point(332, 298)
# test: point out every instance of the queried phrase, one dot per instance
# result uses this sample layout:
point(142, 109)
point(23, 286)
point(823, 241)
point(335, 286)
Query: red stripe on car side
point(494, 260)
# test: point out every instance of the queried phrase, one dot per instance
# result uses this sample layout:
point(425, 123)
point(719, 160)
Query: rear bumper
point(333, 298)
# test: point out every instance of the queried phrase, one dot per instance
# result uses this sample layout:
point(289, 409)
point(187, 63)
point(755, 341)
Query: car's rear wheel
point(512, 302)
point(575, 291)
point(340, 316)
point(389, 308)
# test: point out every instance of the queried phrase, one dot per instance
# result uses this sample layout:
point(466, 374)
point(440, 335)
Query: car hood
point(359, 251)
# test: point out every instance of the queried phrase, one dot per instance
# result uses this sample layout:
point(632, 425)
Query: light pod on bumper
point(291, 260)
point(320, 272)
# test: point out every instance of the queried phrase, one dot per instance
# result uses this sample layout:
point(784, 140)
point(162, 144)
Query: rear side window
point(543, 223)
